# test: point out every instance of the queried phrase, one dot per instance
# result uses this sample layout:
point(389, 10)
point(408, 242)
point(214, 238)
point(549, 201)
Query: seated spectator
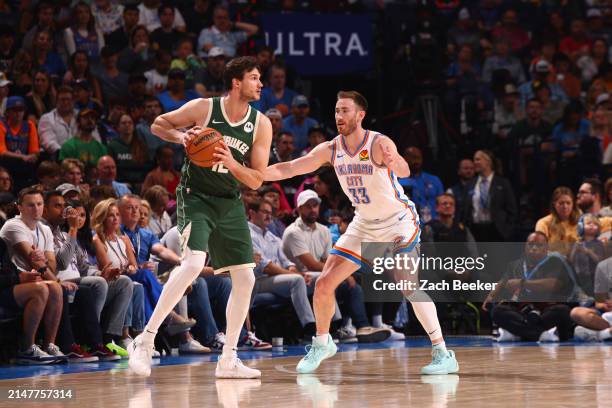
point(489, 209)
point(272, 194)
point(4, 90)
point(560, 226)
point(44, 22)
point(276, 119)
point(6, 181)
point(212, 77)
point(541, 71)
point(48, 175)
point(316, 136)
point(19, 146)
point(299, 123)
point(21, 73)
point(194, 67)
point(137, 93)
point(108, 124)
point(198, 16)
point(79, 69)
point(83, 34)
point(567, 136)
point(595, 323)
point(113, 82)
point(176, 95)
point(224, 33)
point(120, 37)
point(552, 110)
point(129, 152)
point(330, 192)
point(107, 175)
point(464, 31)
point(276, 95)
point(506, 113)
point(149, 17)
point(157, 78)
point(605, 211)
point(139, 56)
point(587, 252)
point(569, 82)
point(589, 201)
point(264, 56)
point(73, 265)
point(446, 227)
point(45, 58)
point(145, 214)
point(465, 171)
point(41, 99)
point(107, 15)
point(165, 37)
point(72, 173)
point(157, 197)
point(275, 273)
point(283, 148)
point(164, 174)
point(84, 97)
point(503, 59)
point(590, 65)
point(83, 146)
point(511, 31)
point(422, 187)
point(152, 109)
point(529, 294)
point(577, 43)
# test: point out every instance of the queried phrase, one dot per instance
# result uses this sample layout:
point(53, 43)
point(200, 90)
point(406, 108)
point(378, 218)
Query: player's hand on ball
point(190, 134)
point(224, 155)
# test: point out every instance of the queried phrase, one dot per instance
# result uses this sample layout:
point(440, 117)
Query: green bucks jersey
point(217, 180)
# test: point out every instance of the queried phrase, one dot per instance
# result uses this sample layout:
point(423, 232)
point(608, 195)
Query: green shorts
point(215, 225)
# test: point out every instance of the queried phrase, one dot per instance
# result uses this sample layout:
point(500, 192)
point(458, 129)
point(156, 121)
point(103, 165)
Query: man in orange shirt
point(19, 147)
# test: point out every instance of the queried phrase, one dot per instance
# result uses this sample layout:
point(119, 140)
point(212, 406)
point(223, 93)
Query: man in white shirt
point(149, 16)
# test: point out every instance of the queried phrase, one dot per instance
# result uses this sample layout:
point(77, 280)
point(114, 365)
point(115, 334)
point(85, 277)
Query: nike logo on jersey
point(216, 122)
point(339, 156)
point(402, 217)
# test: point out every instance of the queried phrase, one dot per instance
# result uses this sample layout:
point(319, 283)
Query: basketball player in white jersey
point(367, 165)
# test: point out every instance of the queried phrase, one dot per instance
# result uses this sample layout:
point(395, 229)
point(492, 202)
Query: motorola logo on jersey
point(248, 127)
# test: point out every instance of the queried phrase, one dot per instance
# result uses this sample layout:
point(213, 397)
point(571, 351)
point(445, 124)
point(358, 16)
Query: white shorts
point(403, 233)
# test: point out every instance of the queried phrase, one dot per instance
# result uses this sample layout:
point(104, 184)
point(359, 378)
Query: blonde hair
point(100, 214)
point(594, 219)
point(145, 204)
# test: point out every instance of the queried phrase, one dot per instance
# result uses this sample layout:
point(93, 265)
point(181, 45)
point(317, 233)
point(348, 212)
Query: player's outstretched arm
point(317, 157)
point(190, 114)
point(385, 149)
point(252, 177)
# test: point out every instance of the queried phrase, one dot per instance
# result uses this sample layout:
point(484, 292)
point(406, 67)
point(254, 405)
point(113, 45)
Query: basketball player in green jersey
point(211, 216)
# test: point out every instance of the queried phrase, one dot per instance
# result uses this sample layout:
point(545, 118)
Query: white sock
point(440, 346)
point(322, 338)
point(604, 334)
point(238, 305)
point(349, 322)
point(377, 321)
point(425, 311)
point(174, 289)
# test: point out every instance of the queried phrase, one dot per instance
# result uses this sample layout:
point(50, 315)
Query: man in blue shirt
point(276, 95)
point(107, 174)
point(421, 187)
point(298, 123)
point(176, 95)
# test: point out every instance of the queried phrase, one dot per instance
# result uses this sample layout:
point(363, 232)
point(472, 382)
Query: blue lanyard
point(527, 274)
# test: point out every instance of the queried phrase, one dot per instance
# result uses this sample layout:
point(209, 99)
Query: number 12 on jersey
point(360, 195)
point(219, 168)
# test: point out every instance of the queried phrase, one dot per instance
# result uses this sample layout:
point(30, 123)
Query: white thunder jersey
point(383, 213)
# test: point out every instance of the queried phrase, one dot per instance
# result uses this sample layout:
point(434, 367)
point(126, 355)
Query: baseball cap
point(86, 112)
point(300, 100)
point(604, 97)
point(176, 73)
point(306, 196)
point(542, 66)
point(67, 187)
point(15, 102)
point(273, 112)
point(216, 52)
point(4, 80)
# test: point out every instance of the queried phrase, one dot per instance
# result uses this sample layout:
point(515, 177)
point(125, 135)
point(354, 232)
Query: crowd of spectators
point(516, 147)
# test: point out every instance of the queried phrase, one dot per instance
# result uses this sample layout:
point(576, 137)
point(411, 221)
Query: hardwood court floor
point(499, 376)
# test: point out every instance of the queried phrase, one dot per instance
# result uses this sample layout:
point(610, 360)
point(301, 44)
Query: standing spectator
point(465, 171)
point(490, 209)
point(212, 78)
point(158, 198)
point(222, 34)
point(79, 69)
point(43, 56)
point(130, 153)
point(107, 15)
point(276, 95)
point(165, 37)
point(83, 145)
point(120, 37)
point(139, 56)
point(107, 175)
point(164, 174)
point(83, 35)
point(112, 81)
point(560, 226)
point(19, 145)
point(299, 123)
point(41, 99)
point(176, 95)
point(149, 17)
point(423, 187)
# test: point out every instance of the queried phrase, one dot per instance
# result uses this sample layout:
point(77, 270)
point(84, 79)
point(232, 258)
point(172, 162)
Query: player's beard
point(350, 126)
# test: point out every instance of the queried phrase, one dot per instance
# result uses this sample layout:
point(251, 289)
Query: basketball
point(202, 147)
